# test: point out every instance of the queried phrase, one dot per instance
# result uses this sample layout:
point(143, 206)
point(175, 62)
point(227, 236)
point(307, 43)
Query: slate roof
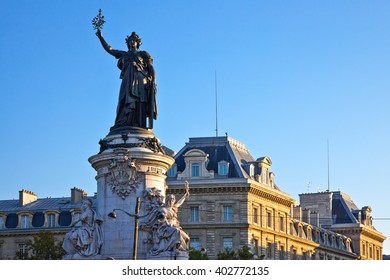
point(343, 208)
point(41, 204)
point(219, 149)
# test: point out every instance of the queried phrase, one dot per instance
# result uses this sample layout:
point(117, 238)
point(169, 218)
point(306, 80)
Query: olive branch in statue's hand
point(98, 21)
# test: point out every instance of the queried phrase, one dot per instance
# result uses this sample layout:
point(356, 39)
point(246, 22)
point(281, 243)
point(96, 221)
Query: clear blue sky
point(290, 75)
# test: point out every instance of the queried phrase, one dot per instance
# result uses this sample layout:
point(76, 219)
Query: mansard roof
point(41, 204)
point(218, 149)
point(343, 208)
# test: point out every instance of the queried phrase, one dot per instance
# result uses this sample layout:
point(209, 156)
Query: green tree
point(245, 253)
point(197, 255)
point(43, 247)
point(227, 254)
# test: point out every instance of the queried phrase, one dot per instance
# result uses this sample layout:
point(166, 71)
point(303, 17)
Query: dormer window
point(223, 168)
point(1, 222)
point(24, 221)
point(196, 162)
point(173, 171)
point(51, 220)
point(251, 171)
point(264, 176)
point(195, 170)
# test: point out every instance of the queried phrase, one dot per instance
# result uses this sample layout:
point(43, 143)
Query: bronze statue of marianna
point(137, 96)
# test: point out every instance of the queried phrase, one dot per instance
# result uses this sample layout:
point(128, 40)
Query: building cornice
point(359, 229)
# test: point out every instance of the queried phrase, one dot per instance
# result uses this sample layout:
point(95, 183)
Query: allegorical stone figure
point(163, 224)
point(137, 96)
point(85, 240)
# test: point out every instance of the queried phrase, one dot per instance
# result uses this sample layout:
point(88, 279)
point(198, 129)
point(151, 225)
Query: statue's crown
point(134, 36)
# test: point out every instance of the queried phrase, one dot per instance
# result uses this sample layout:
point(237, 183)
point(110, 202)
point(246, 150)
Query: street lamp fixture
point(136, 216)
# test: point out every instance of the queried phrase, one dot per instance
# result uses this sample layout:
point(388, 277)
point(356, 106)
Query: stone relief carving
point(166, 235)
point(86, 240)
point(123, 177)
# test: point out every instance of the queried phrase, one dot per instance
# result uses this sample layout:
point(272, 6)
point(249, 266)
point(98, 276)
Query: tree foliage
point(42, 247)
point(197, 255)
point(245, 253)
point(242, 254)
point(227, 254)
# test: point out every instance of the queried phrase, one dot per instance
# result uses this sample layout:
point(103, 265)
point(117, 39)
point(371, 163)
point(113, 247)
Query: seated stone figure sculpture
point(164, 226)
point(84, 241)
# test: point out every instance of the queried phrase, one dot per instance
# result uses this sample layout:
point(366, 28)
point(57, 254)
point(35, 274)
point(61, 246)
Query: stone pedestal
point(130, 162)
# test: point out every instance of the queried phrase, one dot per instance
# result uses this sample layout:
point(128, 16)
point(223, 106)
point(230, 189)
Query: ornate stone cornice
point(271, 196)
point(359, 230)
point(152, 144)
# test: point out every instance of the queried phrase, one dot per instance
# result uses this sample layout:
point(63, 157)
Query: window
point(269, 219)
point(38, 219)
point(281, 223)
point(269, 250)
point(294, 254)
point(227, 213)
point(251, 171)
point(371, 252)
point(255, 215)
point(255, 246)
point(228, 242)
point(264, 176)
point(282, 252)
point(195, 243)
point(65, 219)
point(223, 168)
point(195, 170)
point(173, 171)
point(51, 220)
point(23, 250)
point(25, 222)
point(12, 220)
point(1, 222)
point(194, 212)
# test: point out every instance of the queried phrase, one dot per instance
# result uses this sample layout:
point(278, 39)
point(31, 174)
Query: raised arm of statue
point(106, 46)
point(185, 196)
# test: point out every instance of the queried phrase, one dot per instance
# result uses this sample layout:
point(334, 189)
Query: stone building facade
point(21, 219)
point(338, 213)
point(235, 201)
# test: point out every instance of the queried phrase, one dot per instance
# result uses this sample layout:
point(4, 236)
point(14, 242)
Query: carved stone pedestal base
point(131, 161)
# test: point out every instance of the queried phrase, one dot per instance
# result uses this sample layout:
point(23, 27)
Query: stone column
point(129, 162)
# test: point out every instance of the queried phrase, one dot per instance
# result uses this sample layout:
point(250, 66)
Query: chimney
point(297, 213)
point(315, 219)
point(25, 197)
point(306, 215)
point(76, 195)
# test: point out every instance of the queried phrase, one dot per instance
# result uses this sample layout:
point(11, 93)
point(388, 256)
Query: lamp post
point(136, 216)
